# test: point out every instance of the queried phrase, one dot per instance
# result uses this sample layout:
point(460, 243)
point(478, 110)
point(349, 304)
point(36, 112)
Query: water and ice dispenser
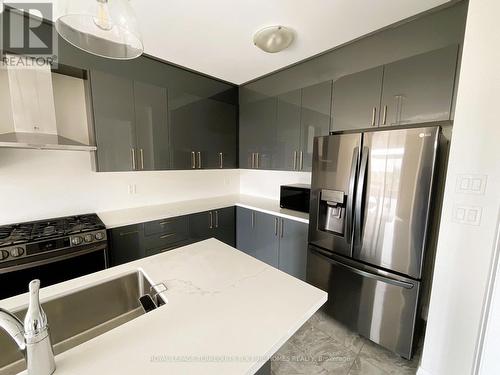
point(332, 211)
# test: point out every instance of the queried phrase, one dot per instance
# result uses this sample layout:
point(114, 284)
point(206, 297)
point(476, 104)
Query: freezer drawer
point(378, 305)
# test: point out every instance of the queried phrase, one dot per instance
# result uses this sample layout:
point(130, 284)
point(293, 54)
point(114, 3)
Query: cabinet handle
point(127, 233)
point(374, 115)
point(162, 223)
point(257, 160)
point(253, 219)
point(384, 115)
point(199, 159)
point(295, 160)
point(210, 215)
point(221, 160)
point(301, 161)
point(217, 219)
point(282, 222)
point(141, 155)
point(193, 160)
point(132, 150)
point(275, 226)
point(167, 235)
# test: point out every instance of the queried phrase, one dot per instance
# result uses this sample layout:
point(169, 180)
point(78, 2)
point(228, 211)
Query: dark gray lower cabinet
point(218, 223)
point(126, 244)
point(293, 248)
point(279, 242)
point(137, 241)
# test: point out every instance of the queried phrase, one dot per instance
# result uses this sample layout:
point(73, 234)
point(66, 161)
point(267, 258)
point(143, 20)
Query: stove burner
point(45, 229)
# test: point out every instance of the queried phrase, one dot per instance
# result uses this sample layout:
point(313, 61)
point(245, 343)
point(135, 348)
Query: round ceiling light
point(273, 39)
point(106, 28)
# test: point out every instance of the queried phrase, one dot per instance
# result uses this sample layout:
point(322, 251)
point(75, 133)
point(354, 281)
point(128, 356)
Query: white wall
point(38, 184)
point(464, 252)
point(267, 183)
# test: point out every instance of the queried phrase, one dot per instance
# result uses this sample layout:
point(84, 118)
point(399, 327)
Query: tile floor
point(323, 346)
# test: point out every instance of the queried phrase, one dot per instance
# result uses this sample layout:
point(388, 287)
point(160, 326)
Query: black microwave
point(295, 197)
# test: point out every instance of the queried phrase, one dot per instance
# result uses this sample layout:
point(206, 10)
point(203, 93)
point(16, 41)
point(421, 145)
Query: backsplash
point(39, 184)
point(267, 183)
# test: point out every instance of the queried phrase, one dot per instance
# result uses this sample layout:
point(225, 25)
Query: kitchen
point(161, 170)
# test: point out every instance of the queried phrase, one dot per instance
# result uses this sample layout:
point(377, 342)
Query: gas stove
point(18, 241)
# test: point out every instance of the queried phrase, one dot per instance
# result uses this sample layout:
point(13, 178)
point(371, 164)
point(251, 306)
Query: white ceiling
point(215, 37)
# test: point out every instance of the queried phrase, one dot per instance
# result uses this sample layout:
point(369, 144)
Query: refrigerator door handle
point(358, 206)
point(350, 194)
point(384, 279)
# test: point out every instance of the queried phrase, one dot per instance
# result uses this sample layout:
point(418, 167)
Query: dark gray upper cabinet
point(203, 132)
point(258, 133)
point(293, 248)
point(314, 120)
point(153, 144)
point(356, 100)
point(420, 88)
point(114, 121)
point(288, 130)
point(413, 90)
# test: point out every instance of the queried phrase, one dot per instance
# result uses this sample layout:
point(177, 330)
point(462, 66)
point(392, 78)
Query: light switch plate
point(469, 215)
point(471, 183)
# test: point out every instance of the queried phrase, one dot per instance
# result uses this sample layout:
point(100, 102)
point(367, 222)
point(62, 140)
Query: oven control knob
point(88, 237)
point(4, 254)
point(16, 252)
point(99, 236)
point(77, 240)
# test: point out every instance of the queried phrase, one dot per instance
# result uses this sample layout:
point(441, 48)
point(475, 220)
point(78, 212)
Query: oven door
point(58, 267)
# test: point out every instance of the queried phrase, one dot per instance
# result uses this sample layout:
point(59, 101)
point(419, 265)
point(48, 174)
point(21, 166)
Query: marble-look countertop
point(135, 215)
point(222, 304)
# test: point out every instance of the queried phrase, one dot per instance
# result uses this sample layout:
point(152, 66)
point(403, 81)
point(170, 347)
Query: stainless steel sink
point(80, 316)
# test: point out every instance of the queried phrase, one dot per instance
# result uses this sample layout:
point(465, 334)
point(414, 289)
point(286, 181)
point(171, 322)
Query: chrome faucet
point(32, 337)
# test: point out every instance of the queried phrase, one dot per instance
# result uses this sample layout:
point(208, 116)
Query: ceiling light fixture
point(106, 28)
point(273, 39)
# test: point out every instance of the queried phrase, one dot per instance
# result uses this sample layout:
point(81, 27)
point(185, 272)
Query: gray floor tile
point(364, 367)
point(389, 362)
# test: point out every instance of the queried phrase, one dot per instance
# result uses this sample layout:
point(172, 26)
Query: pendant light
point(106, 28)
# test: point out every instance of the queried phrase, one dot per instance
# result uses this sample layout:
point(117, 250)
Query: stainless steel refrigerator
point(370, 205)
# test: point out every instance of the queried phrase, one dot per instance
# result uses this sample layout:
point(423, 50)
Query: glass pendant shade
point(106, 28)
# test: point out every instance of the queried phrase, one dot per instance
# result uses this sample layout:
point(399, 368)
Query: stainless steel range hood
point(29, 116)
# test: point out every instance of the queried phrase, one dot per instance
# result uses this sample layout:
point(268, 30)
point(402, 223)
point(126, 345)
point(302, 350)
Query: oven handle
point(58, 258)
point(382, 278)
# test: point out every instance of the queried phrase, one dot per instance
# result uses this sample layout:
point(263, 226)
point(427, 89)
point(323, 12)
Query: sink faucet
point(32, 337)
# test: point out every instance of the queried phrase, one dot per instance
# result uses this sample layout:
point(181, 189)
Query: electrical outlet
point(469, 215)
point(471, 183)
point(132, 189)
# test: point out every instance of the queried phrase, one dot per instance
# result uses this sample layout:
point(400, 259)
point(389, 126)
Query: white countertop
point(221, 303)
point(128, 216)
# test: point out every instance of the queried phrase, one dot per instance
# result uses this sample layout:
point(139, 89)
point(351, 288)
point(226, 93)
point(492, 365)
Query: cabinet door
point(224, 223)
point(257, 235)
point(288, 131)
point(314, 120)
point(420, 88)
point(219, 135)
point(151, 127)
point(246, 240)
point(293, 248)
point(356, 100)
point(258, 133)
point(201, 226)
point(184, 115)
point(114, 121)
point(126, 244)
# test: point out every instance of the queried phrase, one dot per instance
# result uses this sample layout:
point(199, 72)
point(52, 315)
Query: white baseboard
point(421, 371)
